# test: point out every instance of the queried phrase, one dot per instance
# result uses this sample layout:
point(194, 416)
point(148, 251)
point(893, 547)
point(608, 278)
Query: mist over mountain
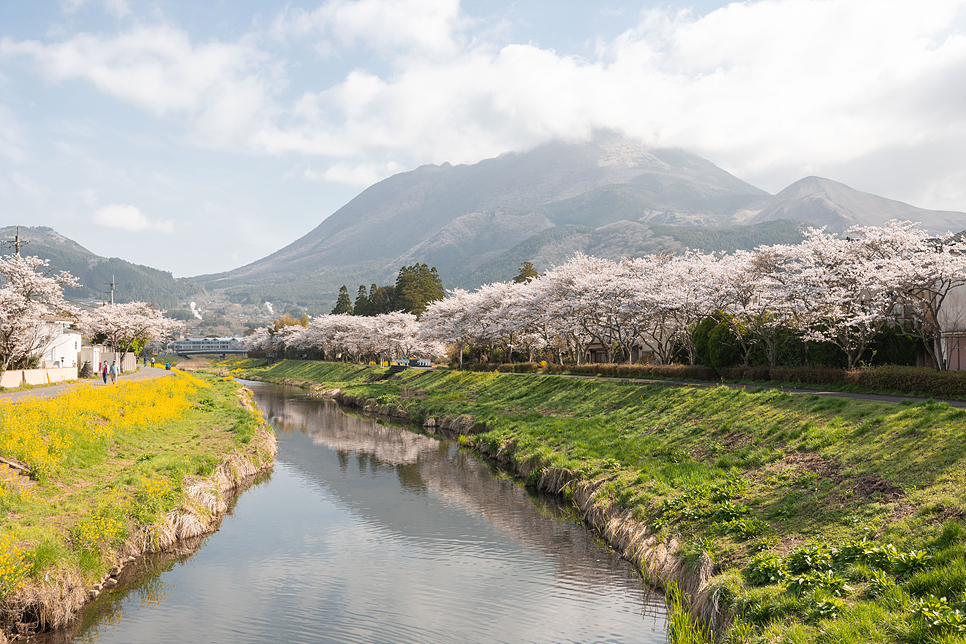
point(823, 202)
point(133, 281)
point(609, 197)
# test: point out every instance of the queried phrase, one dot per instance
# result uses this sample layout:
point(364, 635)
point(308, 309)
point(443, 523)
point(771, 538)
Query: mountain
point(626, 239)
point(608, 196)
point(823, 202)
point(459, 217)
point(133, 282)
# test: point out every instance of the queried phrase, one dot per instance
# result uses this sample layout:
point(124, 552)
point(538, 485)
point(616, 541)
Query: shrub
point(765, 568)
point(811, 558)
point(938, 616)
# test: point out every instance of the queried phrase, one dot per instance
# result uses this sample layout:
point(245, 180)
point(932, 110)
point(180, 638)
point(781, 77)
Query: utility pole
point(16, 243)
point(112, 284)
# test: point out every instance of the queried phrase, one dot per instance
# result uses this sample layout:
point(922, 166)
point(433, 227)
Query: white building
point(206, 345)
point(62, 345)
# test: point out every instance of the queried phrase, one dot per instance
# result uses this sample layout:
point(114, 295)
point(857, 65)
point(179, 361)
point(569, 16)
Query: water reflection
point(371, 533)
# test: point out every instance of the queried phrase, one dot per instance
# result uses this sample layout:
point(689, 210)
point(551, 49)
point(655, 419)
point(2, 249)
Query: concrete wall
point(98, 354)
point(37, 376)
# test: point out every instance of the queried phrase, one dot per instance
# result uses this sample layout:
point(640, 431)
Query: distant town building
point(206, 345)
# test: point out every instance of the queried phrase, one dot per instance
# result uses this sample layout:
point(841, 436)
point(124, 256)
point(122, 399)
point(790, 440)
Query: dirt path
point(145, 373)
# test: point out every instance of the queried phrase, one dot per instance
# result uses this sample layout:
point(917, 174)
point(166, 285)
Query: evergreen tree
point(344, 304)
point(374, 307)
point(362, 306)
point(527, 273)
point(383, 300)
point(417, 286)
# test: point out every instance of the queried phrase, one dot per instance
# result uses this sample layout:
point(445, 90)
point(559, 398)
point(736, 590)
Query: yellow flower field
point(41, 433)
point(82, 492)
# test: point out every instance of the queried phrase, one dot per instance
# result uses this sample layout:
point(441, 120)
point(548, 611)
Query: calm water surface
point(369, 533)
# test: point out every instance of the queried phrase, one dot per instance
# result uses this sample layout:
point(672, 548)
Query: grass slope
point(105, 464)
point(827, 519)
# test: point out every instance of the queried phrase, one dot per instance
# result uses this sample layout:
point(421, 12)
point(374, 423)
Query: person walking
point(114, 372)
point(152, 361)
point(104, 371)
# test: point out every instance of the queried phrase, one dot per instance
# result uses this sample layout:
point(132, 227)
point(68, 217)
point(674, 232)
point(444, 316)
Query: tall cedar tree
point(362, 305)
point(417, 286)
point(344, 304)
point(382, 299)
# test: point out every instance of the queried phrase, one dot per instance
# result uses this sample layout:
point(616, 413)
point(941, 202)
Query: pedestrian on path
point(113, 373)
point(104, 371)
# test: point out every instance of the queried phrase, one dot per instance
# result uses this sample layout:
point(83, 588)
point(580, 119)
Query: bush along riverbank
point(96, 478)
point(784, 517)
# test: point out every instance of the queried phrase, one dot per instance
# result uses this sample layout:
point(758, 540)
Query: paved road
point(146, 373)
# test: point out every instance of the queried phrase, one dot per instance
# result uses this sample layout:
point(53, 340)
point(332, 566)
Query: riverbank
point(787, 517)
point(98, 477)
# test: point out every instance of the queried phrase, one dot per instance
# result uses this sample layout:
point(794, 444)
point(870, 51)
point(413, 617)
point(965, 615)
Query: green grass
point(75, 518)
point(740, 473)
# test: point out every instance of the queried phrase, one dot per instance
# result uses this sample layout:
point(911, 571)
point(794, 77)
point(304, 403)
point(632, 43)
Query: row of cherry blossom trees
point(32, 296)
point(841, 290)
point(349, 338)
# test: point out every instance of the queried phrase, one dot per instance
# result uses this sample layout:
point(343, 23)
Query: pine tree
point(362, 306)
point(344, 304)
point(527, 273)
point(417, 286)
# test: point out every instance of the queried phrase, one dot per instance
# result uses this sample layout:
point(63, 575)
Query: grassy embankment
point(827, 519)
point(111, 473)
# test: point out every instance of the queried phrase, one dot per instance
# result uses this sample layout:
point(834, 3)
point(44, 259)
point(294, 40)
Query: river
point(370, 533)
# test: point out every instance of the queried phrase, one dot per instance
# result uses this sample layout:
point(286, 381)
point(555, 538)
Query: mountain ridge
point(462, 218)
point(134, 281)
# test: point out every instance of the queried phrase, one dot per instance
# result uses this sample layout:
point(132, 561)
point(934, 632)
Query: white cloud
point(359, 174)
point(391, 27)
point(223, 88)
point(117, 8)
point(129, 218)
point(766, 89)
point(28, 185)
point(12, 140)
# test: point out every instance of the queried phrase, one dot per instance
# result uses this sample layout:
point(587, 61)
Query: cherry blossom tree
point(450, 321)
point(30, 295)
point(924, 271)
point(840, 291)
point(128, 327)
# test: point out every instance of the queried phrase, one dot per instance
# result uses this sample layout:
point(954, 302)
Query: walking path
point(145, 373)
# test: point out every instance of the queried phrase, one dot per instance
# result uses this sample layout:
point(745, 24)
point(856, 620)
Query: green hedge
point(810, 375)
point(678, 371)
point(910, 380)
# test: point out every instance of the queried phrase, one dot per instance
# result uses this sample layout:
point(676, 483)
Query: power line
point(112, 284)
point(16, 242)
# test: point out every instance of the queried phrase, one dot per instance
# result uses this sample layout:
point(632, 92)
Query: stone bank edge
point(652, 554)
point(56, 602)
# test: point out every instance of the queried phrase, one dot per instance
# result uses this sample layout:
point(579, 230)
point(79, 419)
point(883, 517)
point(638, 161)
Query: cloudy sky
point(197, 137)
